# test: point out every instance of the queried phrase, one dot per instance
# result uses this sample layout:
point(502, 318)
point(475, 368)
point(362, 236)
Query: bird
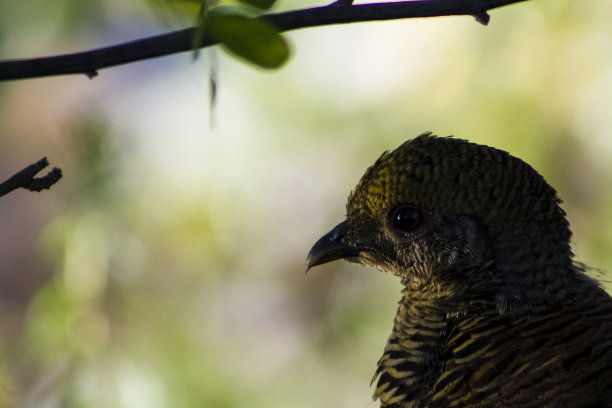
point(495, 311)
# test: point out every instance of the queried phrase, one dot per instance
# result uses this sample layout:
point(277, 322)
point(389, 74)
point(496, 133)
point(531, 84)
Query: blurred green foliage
point(170, 255)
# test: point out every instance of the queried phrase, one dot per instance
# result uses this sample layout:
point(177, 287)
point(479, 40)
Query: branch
point(340, 12)
point(25, 178)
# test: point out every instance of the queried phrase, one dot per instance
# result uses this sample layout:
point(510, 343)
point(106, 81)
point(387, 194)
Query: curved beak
point(331, 247)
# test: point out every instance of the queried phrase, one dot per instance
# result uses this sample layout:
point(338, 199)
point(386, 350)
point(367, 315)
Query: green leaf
point(249, 38)
point(260, 4)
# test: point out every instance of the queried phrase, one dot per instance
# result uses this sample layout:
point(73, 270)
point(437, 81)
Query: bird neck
point(412, 362)
point(534, 262)
point(538, 275)
point(509, 285)
point(426, 299)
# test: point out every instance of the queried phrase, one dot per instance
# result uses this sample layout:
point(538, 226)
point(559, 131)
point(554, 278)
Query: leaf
point(260, 4)
point(254, 40)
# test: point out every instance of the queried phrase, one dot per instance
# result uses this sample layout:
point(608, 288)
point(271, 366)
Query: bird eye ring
point(406, 218)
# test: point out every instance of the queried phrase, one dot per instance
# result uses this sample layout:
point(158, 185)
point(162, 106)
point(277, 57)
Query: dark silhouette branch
point(340, 12)
point(26, 178)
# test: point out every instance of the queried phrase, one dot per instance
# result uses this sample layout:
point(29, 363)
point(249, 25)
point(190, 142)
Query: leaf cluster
point(235, 26)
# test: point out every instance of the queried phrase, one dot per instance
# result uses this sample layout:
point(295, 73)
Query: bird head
point(458, 216)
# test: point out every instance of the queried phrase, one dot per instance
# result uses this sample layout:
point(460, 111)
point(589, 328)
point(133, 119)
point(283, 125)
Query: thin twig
point(339, 12)
point(26, 178)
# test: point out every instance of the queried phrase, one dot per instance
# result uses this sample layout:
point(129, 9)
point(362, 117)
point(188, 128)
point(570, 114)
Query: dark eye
point(406, 218)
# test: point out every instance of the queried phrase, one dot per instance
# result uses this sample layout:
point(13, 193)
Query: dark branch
point(25, 178)
point(339, 12)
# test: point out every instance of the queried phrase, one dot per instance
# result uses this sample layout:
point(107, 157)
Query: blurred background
point(166, 268)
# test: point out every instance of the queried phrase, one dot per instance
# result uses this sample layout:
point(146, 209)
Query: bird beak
point(330, 247)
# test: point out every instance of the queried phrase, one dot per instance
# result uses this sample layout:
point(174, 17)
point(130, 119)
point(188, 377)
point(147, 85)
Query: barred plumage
point(495, 312)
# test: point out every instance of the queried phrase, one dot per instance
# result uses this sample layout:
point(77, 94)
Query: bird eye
point(406, 218)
